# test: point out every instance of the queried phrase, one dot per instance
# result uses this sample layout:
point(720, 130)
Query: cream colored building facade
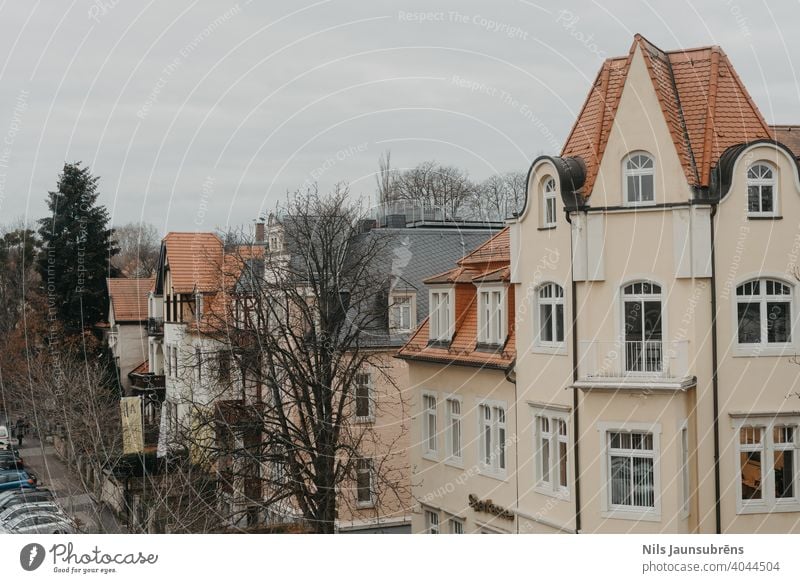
point(636, 410)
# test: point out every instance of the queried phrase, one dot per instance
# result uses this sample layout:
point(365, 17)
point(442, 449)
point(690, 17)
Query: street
point(93, 518)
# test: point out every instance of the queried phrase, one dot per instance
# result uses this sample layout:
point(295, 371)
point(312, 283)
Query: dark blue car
point(13, 479)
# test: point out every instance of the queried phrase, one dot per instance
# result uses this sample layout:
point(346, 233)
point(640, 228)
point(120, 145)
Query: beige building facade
point(654, 269)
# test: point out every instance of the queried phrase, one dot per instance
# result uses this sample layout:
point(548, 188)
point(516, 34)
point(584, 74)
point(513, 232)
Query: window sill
point(743, 350)
point(550, 493)
point(365, 420)
point(549, 349)
point(431, 457)
point(774, 508)
point(455, 462)
point(635, 205)
point(764, 217)
point(439, 342)
point(365, 505)
point(632, 514)
point(501, 476)
point(546, 228)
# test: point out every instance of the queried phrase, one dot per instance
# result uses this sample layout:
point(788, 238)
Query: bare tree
point(430, 184)
point(385, 178)
point(275, 416)
point(499, 197)
point(139, 245)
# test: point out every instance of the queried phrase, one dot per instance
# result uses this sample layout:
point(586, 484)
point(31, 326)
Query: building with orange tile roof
point(460, 363)
point(655, 269)
point(127, 318)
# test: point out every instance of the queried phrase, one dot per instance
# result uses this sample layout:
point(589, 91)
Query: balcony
point(634, 364)
point(155, 326)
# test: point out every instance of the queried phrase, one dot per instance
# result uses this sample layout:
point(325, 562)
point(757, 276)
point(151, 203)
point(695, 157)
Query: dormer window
point(549, 202)
point(442, 315)
point(761, 190)
point(639, 179)
point(402, 312)
point(491, 315)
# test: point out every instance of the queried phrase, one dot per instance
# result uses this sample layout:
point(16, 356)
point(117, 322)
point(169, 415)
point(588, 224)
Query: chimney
point(260, 231)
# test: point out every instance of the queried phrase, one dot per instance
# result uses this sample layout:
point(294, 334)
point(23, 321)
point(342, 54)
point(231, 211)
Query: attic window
point(639, 179)
point(549, 202)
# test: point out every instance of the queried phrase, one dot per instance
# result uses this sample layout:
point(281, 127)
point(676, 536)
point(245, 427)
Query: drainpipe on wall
point(511, 376)
point(715, 377)
point(575, 423)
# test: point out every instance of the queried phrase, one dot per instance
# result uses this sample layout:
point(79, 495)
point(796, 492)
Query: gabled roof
point(129, 297)
point(705, 105)
point(195, 261)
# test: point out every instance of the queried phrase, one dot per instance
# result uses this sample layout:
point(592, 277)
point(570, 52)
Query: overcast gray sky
point(198, 114)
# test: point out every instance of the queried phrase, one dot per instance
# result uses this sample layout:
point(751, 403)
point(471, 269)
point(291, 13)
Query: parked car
point(39, 523)
point(29, 508)
point(13, 479)
point(5, 437)
point(11, 498)
point(11, 457)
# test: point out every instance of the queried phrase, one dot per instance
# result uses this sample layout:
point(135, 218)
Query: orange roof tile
point(705, 105)
point(195, 260)
point(142, 368)
point(489, 262)
point(129, 297)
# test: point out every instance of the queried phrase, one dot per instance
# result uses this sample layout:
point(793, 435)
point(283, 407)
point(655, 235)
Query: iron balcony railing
point(633, 358)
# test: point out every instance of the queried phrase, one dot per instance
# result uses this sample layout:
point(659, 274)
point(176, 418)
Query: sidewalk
point(70, 493)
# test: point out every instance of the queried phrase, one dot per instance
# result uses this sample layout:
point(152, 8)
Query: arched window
point(550, 299)
point(761, 190)
point(639, 184)
point(549, 202)
point(764, 312)
point(642, 327)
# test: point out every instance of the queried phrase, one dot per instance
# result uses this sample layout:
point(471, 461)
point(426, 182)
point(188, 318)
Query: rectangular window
point(552, 453)
point(169, 361)
point(491, 315)
point(400, 317)
point(440, 315)
point(768, 472)
point(429, 424)
point(456, 526)
point(550, 211)
point(364, 395)
point(454, 428)
point(492, 439)
point(364, 481)
point(431, 522)
point(631, 462)
point(224, 366)
point(175, 371)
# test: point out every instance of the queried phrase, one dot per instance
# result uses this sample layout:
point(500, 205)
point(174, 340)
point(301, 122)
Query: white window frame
point(768, 503)
point(497, 429)
point(607, 510)
point(370, 469)
point(549, 346)
point(454, 458)
point(425, 415)
point(455, 525)
point(394, 307)
point(549, 201)
point(370, 417)
point(552, 485)
point(433, 521)
point(441, 322)
point(764, 348)
point(760, 183)
point(637, 172)
point(492, 306)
